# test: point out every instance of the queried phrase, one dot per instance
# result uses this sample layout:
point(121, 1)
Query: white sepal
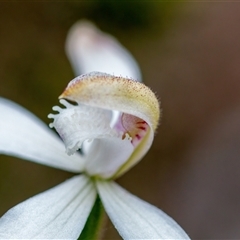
point(89, 49)
point(23, 135)
point(59, 213)
point(135, 218)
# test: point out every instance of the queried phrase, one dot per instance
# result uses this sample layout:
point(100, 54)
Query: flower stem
point(92, 228)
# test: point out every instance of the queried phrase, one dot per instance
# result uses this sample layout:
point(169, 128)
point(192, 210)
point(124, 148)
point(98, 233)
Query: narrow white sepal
point(135, 218)
point(59, 213)
point(89, 49)
point(23, 135)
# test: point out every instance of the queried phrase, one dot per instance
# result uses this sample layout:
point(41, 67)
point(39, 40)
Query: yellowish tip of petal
point(115, 93)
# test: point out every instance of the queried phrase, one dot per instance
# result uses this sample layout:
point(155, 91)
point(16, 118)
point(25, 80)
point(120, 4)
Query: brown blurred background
point(189, 54)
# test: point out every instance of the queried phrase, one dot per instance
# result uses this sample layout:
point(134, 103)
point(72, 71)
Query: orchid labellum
point(112, 120)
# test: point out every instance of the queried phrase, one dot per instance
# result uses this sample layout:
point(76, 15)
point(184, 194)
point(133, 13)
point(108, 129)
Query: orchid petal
point(23, 135)
point(121, 94)
point(59, 213)
point(89, 49)
point(135, 218)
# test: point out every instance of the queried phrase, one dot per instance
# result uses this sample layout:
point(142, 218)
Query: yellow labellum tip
point(115, 93)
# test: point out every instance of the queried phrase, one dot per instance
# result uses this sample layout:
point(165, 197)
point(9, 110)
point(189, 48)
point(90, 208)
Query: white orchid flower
point(113, 120)
point(113, 148)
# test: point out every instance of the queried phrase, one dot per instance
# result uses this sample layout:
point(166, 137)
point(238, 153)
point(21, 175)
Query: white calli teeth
point(76, 124)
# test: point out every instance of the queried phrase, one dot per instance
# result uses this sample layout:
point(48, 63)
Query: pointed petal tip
point(135, 218)
point(90, 49)
point(25, 136)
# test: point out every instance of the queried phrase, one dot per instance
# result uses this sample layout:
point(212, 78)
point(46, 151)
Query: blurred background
point(189, 54)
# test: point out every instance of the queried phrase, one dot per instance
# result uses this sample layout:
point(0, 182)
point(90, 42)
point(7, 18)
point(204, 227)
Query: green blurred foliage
point(95, 223)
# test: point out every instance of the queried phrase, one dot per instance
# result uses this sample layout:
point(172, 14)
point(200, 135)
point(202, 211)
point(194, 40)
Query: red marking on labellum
point(135, 127)
point(138, 137)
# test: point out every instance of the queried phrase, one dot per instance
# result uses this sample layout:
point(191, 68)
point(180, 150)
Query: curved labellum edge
point(118, 94)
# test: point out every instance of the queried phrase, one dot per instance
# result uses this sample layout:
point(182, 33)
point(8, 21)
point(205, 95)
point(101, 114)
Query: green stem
point(92, 228)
